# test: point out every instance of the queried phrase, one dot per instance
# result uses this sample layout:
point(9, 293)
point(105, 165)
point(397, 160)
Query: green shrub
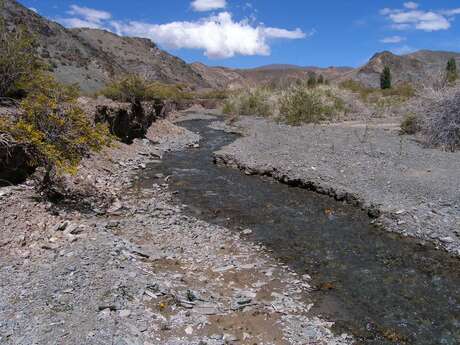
point(54, 128)
point(305, 105)
point(410, 125)
point(134, 89)
point(214, 94)
point(249, 102)
point(358, 88)
point(381, 98)
point(18, 63)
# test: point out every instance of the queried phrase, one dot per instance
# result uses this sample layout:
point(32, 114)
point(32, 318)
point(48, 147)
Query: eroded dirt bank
point(409, 189)
point(132, 268)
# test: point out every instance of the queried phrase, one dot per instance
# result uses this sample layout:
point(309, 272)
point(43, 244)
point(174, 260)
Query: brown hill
point(420, 67)
point(91, 57)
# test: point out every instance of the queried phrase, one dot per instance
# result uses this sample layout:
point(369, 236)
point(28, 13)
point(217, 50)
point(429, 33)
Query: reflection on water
point(382, 288)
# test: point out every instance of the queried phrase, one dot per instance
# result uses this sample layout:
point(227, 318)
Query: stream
point(378, 286)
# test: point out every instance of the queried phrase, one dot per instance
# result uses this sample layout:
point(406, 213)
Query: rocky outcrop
point(14, 163)
point(127, 121)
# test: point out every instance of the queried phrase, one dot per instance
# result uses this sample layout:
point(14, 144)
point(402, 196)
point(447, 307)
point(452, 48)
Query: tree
point(385, 78)
point(451, 71)
point(311, 81)
point(18, 62)
point(320, 79)
point(55, 129)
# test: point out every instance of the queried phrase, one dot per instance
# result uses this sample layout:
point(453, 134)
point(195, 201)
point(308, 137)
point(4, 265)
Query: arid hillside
point(421, 67)
point(92, 57)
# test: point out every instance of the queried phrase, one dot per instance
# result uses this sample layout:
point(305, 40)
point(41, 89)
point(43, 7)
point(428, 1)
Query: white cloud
point(219, 36)
point(411, 5)
point(405, 49)
point(79, 23)
point(411, 17)
point(89, 14)
point(33, 9)
point(393, 39)
point(208, 5)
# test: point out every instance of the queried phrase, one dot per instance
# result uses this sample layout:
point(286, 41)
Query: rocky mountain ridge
point(92, 57)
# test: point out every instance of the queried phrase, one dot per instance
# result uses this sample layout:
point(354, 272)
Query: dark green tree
point(312, 81)
point(385, 78)
point(451, 70)
point(320, 79)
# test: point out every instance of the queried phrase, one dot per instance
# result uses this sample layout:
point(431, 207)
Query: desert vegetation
point(134, 88)
point(47, 120)
point(256, 101)
point(435, 115)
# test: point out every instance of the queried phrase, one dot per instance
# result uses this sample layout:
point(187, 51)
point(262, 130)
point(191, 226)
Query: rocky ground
point(408, 188)
point(131, 268)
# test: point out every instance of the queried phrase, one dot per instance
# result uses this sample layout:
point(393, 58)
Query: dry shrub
point(410, 124)
point(439, 115)
point(258, 101)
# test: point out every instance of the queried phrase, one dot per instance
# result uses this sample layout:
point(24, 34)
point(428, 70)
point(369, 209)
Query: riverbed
point(380, 287)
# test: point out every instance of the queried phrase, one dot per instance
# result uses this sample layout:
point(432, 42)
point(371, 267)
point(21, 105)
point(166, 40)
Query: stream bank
point(409, 189)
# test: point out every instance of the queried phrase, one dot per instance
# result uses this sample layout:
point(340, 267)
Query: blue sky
point(249, 33)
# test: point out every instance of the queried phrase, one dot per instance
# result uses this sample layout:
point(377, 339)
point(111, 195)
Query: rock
point(112, 224)
point(61, 226)
point(447, 239)
point(247, 231)
point(189, 330)
point(73, 229)
point(125, 313)
point(115, 207)
point(229, 338)
point(14, 163)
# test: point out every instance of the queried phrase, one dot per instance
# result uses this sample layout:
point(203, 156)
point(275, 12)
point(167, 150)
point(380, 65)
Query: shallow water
point(380, 287)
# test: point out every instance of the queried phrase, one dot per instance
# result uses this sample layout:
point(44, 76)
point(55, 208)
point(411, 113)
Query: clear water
point(381, 287)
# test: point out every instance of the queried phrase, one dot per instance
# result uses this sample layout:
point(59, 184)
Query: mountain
point(220, 77)
point(419, 68)
point(91, 57)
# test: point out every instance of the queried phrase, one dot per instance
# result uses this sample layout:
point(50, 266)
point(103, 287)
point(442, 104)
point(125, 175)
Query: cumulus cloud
point(411, 5)
point(89, 14)
point(208, 5)
point(411, 17)
point(393, 39)
point(219, 36)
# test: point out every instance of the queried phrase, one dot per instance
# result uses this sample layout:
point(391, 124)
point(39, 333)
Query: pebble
point(125, 313)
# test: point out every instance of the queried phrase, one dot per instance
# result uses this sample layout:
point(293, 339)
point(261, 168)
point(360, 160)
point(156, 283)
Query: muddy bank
point(409, 189)
point(140, 270)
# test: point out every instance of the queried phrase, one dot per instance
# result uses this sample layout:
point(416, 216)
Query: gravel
point(408, 189)
point(141, 272)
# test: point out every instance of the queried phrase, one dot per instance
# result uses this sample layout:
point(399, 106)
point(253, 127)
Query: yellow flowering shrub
point(55, 128)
